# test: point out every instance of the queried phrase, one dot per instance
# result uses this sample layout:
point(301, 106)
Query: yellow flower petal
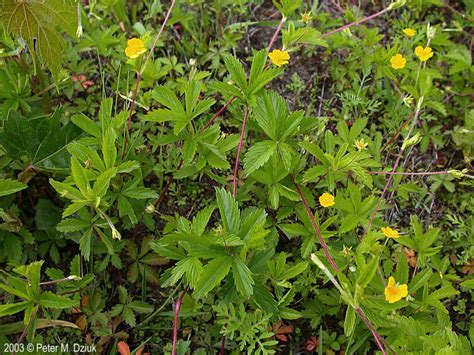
point(390, 233)
point(423, 54)
point(279, 57)
point(410, 32)
point(326, 200)
point(136, 47)
point(136, 42)
point(393, 292)
point(398, 61)
point(360, 144)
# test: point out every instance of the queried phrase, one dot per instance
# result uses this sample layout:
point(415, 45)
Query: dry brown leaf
point(123, 348)
point(311, 344)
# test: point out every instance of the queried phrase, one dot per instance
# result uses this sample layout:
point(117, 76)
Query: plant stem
point(222, 345)
point(239, 149)
point(139, 76)
point(355, 23)
point(177, 308)
point(394, 169)
point(218, 113)
point(275, 34)
point(395, 135)
point(409, 174)
point(168, 184)
point(315, 225)
point(369, 325)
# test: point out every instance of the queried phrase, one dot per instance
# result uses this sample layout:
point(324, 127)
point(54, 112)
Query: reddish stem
point(409, 174)
point(315, 225)
point(359, 311)
point(139, 76)
point(239, 149)
point(222, 345)
point(369, 325)
point(168, 184)
point(355, 23)
point(177, 308)
point(275, 34)
point(223, 108)
point(395, 135)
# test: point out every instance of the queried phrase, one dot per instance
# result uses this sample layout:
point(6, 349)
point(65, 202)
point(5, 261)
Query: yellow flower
point(326, 200)
point(394, 292)
point(360, 144)
point(306, 17)
point(410, 32)
point(279, 57)
point(398, 61)
point(390, 233)
point(136, 47)
point(423, 54)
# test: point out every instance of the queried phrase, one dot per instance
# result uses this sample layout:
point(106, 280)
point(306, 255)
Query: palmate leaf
point(41, 140)
point(35, 21)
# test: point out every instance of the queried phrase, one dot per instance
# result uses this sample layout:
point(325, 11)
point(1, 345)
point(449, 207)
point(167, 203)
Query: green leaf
point(10, 186)
point(229, 211)
point(305, 35)
point(236, 71)
point(349, 321)
point(101, 185)
point(41, 140)
point(140, 307)
point(84, 153)
point(109, 150)
point(419, 280)
point(36, 21)
point(243, 277)
point(212, 274)
point(368, 272)
point(294, 271)
point(79, 175)
point(258, 155)
point(52, 300)
point(13, 308)
point(201, 220)
point(467, 284)
point(86, 124)
point(126, 209)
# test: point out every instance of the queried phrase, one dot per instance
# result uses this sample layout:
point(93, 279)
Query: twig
point(139, 75)
point(177, 308)
point(239, 149)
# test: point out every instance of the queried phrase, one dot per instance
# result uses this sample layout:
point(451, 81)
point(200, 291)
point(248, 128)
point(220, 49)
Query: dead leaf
point(123, 348)
point(81, 322)
point(281, 331)
point(411, 256)
point(311, 344)
point(468, 268)
point(85, 301)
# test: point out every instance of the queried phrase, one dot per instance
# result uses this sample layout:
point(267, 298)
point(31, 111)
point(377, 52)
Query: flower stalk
point(239, 150)
point(139, 76)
